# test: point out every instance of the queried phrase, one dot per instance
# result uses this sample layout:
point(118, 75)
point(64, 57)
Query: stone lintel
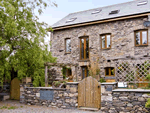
point(47, 88)
point(84, 63)
point(132, 90)
point(109, 83)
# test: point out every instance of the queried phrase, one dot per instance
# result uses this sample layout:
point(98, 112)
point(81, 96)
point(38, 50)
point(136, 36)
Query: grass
point(3, 107)
point(12, 107)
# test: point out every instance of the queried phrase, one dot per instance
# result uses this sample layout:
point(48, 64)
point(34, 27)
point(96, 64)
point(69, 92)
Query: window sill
point(105, 48)
point(67, 53)
point(141, 45)
point(84, 60)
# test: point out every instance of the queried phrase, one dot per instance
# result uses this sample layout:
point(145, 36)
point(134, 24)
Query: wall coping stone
point(50, 88)
point(108, 83)
point(74, 83)
point(131, 90)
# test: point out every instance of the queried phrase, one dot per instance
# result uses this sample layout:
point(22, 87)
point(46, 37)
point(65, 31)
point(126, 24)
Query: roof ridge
point(105, 6)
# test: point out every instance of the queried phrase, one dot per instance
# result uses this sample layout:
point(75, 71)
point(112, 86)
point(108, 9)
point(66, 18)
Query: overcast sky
point(53, 14)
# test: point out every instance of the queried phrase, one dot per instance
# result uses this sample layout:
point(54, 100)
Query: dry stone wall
point(61, 98)
point(122, 35)
point(127, 101)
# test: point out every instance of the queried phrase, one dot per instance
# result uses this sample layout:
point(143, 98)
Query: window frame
point(65, 45)
point(109, 68)
point(106, 40)
point(85, 56)
point(141, 38)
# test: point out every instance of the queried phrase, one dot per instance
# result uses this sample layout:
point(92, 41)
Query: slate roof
point(125, 9)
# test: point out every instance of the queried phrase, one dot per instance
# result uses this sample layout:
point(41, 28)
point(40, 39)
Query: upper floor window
point(68, 45)
point(141, 37)
point(106, 41)
point(84, 48)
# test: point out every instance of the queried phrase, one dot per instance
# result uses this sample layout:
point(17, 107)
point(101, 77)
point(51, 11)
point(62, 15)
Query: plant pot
point(70, 80)
point(131, 86)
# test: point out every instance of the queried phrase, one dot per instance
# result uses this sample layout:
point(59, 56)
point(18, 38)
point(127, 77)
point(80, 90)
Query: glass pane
point(82, 48)
point(112, 71)
point(87, 72)
point(87, 48)
point(103, 41)
point(108, 41)
point(68, 45)
point(137, 38)
point(107, 71)
point(144, 37)
point(83, 72)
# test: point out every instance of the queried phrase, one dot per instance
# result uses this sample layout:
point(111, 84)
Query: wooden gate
point(15, 89)
point(89, 94)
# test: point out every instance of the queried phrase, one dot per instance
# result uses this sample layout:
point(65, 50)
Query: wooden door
point(89, 93)
point(15, 89)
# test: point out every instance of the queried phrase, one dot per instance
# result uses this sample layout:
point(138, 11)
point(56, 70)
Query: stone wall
point(122, 35)
point(22, 91)
point(62, 98)
point(127, 101)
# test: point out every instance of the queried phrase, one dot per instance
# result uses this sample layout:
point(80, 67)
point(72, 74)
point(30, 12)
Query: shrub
point(102, 80)
point(147, 105)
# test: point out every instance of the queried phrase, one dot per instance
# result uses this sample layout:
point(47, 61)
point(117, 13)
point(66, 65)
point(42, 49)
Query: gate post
point(46, 77)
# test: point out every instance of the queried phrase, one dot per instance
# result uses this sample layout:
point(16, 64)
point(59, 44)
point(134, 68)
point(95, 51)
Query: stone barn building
point(102, 35)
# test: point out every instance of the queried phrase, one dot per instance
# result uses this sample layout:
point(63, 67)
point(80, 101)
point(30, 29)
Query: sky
point(53, 14)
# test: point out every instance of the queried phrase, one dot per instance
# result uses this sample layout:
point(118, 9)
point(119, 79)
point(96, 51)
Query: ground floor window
point(67, 73)
point(109, 71)
point(85, 72)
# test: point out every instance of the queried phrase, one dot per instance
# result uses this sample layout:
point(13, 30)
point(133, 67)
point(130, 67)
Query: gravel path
point(12, 106)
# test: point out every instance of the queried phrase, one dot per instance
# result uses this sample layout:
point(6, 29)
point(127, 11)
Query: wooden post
point(46, 77)
point(76, 73)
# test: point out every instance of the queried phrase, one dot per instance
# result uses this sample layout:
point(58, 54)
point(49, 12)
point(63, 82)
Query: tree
point(22, 48)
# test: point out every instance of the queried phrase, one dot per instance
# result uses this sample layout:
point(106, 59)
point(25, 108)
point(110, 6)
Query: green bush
point(102, 80)
point(147, 105)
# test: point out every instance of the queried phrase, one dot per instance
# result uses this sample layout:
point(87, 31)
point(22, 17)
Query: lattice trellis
point(132, 71)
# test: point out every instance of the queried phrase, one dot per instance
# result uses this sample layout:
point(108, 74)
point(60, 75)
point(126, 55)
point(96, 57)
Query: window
point(142, 3)
point(96, 11)
point(141, 37)
point(106, 41)
point(109, 71)
point(71, 20)
point(68, 45)
point(84, 48)
point(85, 72)
point(114, 12)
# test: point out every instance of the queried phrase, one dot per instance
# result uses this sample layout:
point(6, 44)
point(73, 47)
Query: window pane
point(112, 71)
point(87, 48)
point(137, 38)
point(144, 37)
point(82, 48)
point(107, 71)
point(83, 72)
point(68, 45)
point(108, 41)
point(103, 41)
